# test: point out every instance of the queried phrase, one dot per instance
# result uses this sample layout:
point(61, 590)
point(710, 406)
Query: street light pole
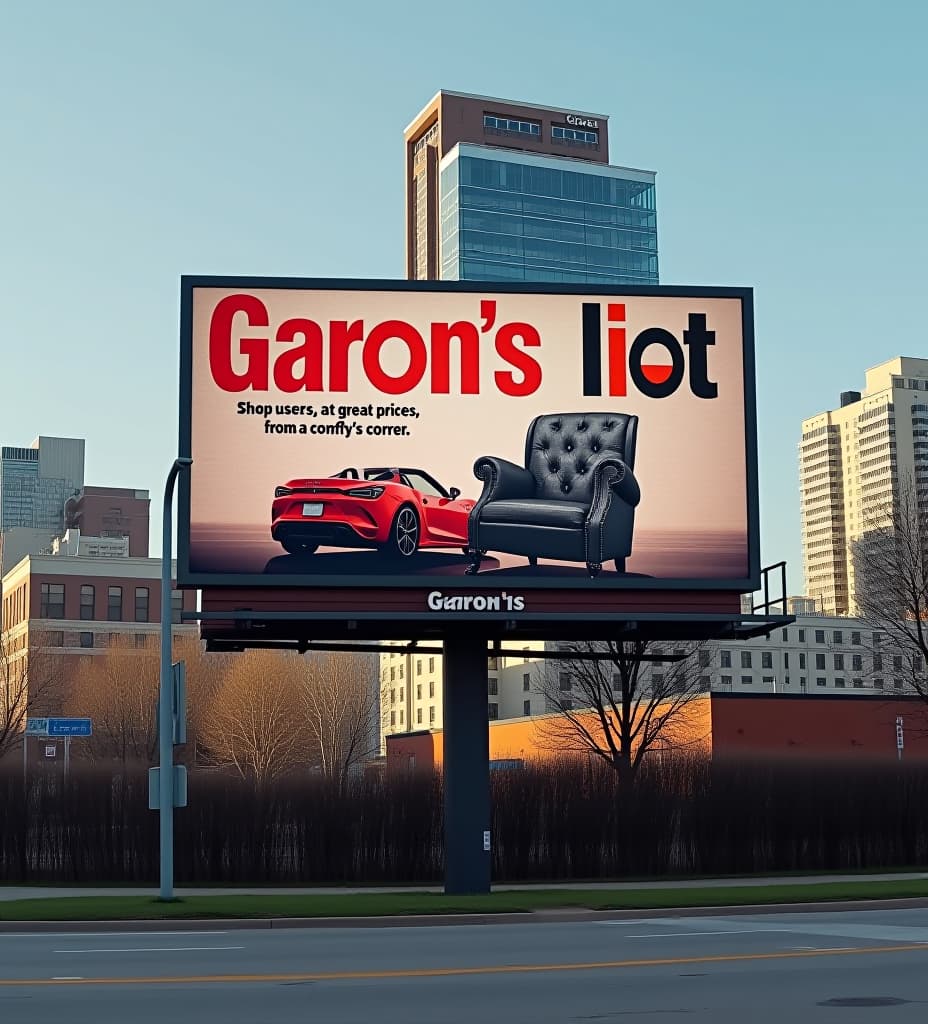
point(165, 696)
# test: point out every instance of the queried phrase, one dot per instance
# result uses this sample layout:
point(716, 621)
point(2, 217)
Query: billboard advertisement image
point(374, 433)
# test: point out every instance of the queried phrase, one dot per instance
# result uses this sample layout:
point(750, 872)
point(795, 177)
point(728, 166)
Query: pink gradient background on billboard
point(690, 458)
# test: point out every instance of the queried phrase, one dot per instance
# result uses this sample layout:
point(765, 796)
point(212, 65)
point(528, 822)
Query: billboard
point(424, 434)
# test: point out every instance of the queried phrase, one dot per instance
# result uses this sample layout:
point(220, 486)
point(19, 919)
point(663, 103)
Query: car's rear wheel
point(299, 547)
point(404, 534)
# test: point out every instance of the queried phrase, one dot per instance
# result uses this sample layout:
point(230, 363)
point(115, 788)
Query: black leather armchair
point(574, 500)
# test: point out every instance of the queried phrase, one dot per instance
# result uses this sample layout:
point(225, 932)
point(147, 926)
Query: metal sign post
point(900, 739)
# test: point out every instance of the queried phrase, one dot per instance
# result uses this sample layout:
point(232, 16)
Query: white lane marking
point(149, 949)
point(686, 935)
point(68, 977)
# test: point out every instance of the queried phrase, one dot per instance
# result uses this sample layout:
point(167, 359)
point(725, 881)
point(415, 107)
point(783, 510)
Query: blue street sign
point(36, 726)
point(70, 727)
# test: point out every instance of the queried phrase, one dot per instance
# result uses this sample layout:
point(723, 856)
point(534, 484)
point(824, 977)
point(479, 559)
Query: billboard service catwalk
point(376, 433)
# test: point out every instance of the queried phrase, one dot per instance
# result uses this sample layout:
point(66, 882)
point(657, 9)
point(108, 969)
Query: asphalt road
point(807, 968)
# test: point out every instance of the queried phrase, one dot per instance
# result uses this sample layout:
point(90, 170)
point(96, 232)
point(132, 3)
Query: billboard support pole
point(466, 762)
point(165, 697)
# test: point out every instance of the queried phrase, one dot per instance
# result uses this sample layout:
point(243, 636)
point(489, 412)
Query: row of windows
point(574, 135)
point(88, 639)
point(512, 124)
point(840, 682)
point(575, 231)
point(52, 603)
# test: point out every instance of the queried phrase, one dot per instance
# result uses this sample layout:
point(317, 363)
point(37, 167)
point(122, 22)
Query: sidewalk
point(26, 892)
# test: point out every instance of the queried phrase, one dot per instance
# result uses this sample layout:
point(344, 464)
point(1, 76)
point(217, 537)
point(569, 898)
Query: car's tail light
point(282, 492)
point(365, 492)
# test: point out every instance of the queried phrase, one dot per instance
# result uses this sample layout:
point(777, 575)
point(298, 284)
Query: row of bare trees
point(261, 715)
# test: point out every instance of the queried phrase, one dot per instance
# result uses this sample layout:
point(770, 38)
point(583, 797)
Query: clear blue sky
point(142, 141)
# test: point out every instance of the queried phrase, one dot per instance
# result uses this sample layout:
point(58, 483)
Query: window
point(766, 660)
point(745, 659)
point(820, 636)
point(839, 682)
point(857, 662)
point(139, 639)
point(86, 639)
point(431, 714)
point(392, 674)
point(526, 707)
point(877, 662)
point(897, 662)
point(564, 682)
point(768, 680)
point(418, 666)
point(917, 662)
point(567, 704)
point(141, 604)
point(526, 683)
point(746, 680)
point(704, 683)
point(858, 684)
point(802, 659)
point(392, 718)
point(877, 638)
point(402, 692)
point(802, 636)
point(492, 711)
point(786, 659)
point(56, 638)
point(574, 135)
point(432, 664)
point(492, 686)
point(512, 125)
point(114, 604)
point(418, 691)
point(419, 715)
point(726, 680)
point(819, 661)
point(493, 663)
point(87, 601)
point(401, 671)
point(855, 637)
point(897, 684)
point(401, 716)
point(819, 680)
point(838, 637)
point(177, 605)
point(658, 678)
point(786, 634)
point(725, 659)
point(52, 601)
point(703, 659)
point(432, 688)
point(878, 684)
point(839, 661)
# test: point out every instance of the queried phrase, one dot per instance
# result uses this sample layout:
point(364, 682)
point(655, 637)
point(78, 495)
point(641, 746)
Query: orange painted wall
point(728, 725)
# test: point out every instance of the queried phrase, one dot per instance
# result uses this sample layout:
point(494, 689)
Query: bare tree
point(339, 700)
point(610, 706)
point(30, 685)
point(891, 575)
point(254, 726)
point(118, 690)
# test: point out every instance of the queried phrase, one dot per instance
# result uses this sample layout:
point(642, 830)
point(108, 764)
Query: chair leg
point(533, 559)
point(620, 565)
point(474, 567)
point(594, 569)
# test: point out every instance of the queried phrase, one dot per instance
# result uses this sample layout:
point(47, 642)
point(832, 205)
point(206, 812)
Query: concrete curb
point(567, 915)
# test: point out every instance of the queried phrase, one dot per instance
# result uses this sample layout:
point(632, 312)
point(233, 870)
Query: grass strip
point(265, 905)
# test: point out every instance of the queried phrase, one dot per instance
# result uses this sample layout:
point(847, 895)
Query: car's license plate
point(313, 508)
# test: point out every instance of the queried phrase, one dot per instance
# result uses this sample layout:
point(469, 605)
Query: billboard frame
point(197, 580)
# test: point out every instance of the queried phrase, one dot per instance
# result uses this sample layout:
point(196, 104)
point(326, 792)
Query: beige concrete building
point(851, 462)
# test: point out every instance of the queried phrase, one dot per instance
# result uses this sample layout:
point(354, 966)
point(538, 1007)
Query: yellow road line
point(452, 972)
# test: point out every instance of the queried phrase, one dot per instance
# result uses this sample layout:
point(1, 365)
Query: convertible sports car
point(397, 511)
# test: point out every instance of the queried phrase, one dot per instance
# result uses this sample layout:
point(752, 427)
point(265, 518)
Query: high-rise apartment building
point(504, 191)
point(852, 462)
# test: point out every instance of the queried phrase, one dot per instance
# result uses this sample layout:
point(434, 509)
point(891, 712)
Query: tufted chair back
point(561, 447)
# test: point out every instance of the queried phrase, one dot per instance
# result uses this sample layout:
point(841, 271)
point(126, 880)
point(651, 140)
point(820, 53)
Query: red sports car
point(398, 511)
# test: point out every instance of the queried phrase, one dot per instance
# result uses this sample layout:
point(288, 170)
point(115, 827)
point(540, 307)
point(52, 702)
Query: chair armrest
point(612, 473)
point(503, 479)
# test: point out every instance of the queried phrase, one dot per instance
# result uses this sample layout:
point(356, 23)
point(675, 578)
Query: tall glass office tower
point(502, 191)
